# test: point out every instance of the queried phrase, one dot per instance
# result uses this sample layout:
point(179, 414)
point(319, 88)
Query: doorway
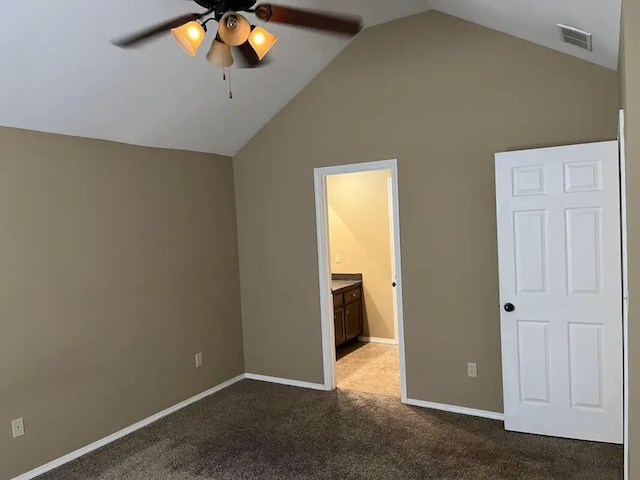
point(347, 335)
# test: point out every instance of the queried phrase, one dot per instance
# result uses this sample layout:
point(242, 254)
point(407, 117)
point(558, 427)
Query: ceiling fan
point(234, 30)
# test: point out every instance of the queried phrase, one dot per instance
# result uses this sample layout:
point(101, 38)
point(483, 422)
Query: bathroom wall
point(359, 236)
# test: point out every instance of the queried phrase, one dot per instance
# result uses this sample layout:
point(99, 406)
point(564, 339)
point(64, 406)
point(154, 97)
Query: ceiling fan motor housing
point(223, 6)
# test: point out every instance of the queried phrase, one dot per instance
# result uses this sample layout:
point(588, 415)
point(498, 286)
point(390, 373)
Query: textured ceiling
point(61, 74)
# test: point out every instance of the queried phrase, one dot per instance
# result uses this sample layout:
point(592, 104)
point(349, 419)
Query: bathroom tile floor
point(368, 367)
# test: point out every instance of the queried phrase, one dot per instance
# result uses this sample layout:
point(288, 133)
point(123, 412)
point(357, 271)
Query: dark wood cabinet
point(338, 323)
point(353, 320)
point(347, 313)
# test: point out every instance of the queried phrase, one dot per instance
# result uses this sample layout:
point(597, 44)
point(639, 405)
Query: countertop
point(338, 284)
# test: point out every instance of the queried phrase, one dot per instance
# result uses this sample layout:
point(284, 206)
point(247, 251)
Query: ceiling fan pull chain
point(229, 76)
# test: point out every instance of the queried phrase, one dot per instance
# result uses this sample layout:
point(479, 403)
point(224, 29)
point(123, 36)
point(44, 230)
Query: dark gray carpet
point(256, 430)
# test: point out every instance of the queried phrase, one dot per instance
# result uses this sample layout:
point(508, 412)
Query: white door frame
point(625, 291)
point(393, 256)
point(324, 265)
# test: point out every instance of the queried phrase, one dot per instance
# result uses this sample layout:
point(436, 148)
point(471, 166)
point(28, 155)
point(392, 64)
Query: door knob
point(509, 307)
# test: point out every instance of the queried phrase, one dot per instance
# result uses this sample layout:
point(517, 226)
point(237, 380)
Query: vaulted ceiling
point(61, 74)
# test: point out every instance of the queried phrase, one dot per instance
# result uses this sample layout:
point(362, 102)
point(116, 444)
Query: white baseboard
point(455, 409)
point(125, 431)
point(387, 341)
point(285, 381)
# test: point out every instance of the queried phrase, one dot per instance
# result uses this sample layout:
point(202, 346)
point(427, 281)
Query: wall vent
point(575, 36)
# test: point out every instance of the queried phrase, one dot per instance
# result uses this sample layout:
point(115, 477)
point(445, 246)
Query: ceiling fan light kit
point(261, 41)
point(234, 30)
point(189, 36)
point(220, 54)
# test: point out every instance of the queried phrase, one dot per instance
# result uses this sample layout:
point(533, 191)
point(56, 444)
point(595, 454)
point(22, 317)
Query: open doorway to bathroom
point(358, 238)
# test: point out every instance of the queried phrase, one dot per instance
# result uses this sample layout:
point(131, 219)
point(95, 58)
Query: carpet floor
point(256, 430)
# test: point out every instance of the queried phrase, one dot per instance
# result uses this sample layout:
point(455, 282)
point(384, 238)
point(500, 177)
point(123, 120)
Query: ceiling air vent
point(576, 37)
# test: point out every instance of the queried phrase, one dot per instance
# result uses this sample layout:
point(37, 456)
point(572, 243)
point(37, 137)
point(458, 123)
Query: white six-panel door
point(560, 268)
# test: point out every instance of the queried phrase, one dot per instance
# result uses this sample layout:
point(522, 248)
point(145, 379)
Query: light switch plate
point(17, 426)
point(198, 359)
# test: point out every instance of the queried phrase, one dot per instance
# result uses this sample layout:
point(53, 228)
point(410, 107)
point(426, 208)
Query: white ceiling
point(61, 74)
point(536, 21)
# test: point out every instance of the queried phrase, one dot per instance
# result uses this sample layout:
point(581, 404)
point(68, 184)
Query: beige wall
point(119, 263)
point(630, 86)
point(359, 232)
point(442, 96)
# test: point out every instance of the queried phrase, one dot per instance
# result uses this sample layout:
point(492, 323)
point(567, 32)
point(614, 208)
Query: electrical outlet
point(198, 359)
point(472, 370)
point(17, 426)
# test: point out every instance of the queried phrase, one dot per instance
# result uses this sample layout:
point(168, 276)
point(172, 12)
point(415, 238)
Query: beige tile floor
point(369, 367)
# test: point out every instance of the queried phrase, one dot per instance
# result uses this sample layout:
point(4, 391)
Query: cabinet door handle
point(353, 294)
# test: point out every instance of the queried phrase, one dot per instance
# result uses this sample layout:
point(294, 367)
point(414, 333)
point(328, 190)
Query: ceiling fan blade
point(154, 31)
point(248, 58)
point(308, 18)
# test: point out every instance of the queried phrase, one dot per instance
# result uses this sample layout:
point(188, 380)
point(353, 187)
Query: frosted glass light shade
point(234, 29)
point(261, 41)
point(220, 54)
point(189, 36)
